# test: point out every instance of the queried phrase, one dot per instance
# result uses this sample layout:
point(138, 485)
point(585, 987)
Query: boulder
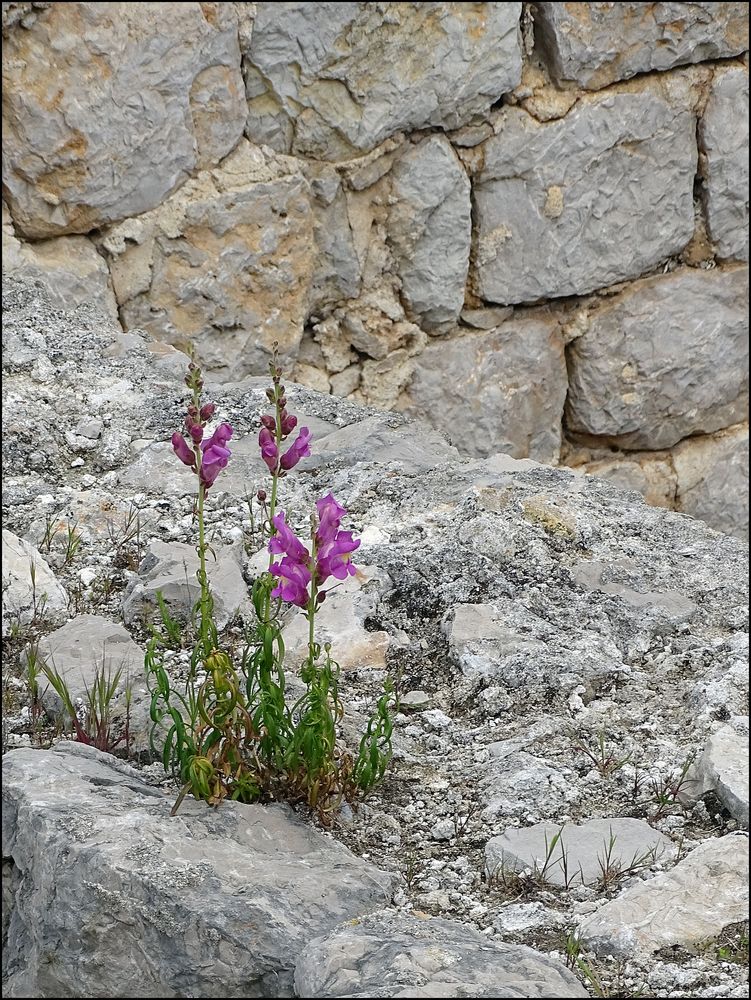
point(159, 84)
point(31, 591)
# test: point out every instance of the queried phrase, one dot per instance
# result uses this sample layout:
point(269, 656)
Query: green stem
point(202, 576)
point(274, 483)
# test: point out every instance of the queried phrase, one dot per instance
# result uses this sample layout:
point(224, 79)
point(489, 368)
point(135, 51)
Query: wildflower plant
point(228, 730)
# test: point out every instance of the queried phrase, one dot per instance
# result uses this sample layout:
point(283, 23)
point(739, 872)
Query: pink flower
point(215, 454)
point(299, 449)
point(183, 450)
point(269, 450)
point(294, 578)
point(333, 557)
point(286, 542)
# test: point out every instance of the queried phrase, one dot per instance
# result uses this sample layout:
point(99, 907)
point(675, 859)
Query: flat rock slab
point(723, 767)
point(208, 903)
point(582, 852)
point(30, 588)
point(694, 902)
point(170, 568)
point(86, 645)
point(391, 955)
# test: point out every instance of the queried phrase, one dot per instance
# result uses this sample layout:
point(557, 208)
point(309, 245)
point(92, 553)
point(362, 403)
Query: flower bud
point(321, 597)
point(196, 432)
point(193, 410)
point(288, 423)
point(268, 422)
point(261, 496)
point(270, 395)
point(283, 400)
point(207, 411)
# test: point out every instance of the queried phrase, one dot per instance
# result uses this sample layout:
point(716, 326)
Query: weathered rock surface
point(224, 264)
point(69, 267)
point(159, 84)
point(495, 400)
point(712, 479)
point(211, 902)
point(170, 569)
point(87, 645)
point(723, 136)
point(666, 358)
point(327, 81)
point(614, 199)
point(723, 767)
point(676, 908)
point(583, 853)
point(30, 588)
point(595, 44)
point(430, 229)
point(384, 955)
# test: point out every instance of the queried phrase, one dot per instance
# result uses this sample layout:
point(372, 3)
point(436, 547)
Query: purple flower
point(330, 514)
point(215, 455)
point(288, 423)
point(285, 541)
point(183, 450)
point(333, 558)
point(269, 450)
point(294, 578)
point(299, 449)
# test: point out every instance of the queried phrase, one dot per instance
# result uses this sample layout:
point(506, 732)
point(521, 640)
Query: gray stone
point(69, 267)
point(669, 605)
point(723, 767)
point(666, 358)
point(330, 80)
point(170, 568)
point(30, 589)
point(583, 853)
point(87, 645)
point(416, 700)
point(712, 479)
point(222, 901)
point(393, 955)
point(506, 390)
point(159, 84)
point(224, 265)
point(692, 902)
point(723, 138)
point(572, 205)
point(430, 228)
point(595, 44)
point(338, 274)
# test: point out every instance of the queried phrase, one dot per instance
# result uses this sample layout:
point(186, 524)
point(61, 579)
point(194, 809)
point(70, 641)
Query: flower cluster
point(207, 456)
point(274, 430)
point(299, 568)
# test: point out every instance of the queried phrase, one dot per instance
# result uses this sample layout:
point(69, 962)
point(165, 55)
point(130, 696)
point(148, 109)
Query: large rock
point(69, 267)
point(712, 479)
point(390, 955)
point(108, 108)
point(601, 195)
point(430, 227)
point(208, 903)
point(594, 44)
point(31, 592)
point(723, 768)
point(664, 359)
point(505, 392)
point(693, 902)
point(170, 568)
point(723, 136)
point(225, 264)
point(329, 80)
point(582, 855)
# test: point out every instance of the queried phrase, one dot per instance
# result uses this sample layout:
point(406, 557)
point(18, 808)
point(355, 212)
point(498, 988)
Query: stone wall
point(527, 223)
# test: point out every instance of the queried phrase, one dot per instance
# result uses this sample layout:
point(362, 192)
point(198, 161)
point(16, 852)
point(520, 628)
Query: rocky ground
point(564, 658)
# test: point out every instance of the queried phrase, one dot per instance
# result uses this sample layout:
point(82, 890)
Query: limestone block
point(388, 954)
point(712, 474)
point(567, 206)
point(68, 266)
point(107, 108)
point(96, 847)
point(495, 390)
point(430, 227)
point(594, 44)
point(693, 902)
point(666, 358)
point(723, 138)
point(224, 264)
point(582, 853)
point(30, 588)
point(723, 767)
point(328, 80)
